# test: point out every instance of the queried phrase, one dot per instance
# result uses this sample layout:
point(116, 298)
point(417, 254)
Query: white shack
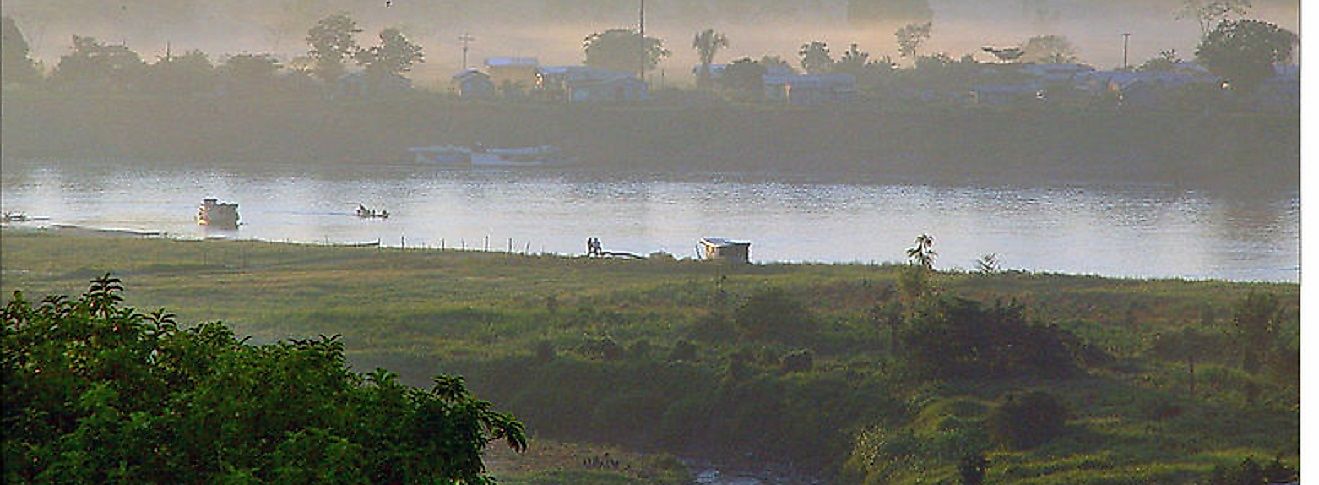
point(214, 213)
point(720, 249)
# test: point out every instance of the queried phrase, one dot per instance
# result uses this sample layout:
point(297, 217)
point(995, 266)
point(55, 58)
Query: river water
point(1133, 231)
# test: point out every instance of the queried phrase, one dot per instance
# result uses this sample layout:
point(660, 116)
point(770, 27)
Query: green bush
point(960, 338)
point(1024, 421)
point(94, 391)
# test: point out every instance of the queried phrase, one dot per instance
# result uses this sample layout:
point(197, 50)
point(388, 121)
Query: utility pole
point(1126, 41)
point(642, 73)
point(466, 39)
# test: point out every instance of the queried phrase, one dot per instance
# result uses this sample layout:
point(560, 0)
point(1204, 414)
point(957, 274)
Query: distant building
point(519, 72)
point(621, 89)
point(810, 89)
point(473, 84)
point(720, 249)
point(577, 84)
point(716, 71)
point(1055, 73)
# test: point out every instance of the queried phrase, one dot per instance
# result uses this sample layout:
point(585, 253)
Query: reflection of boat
point(214, 213)
point(482, 156)
point(365, 213)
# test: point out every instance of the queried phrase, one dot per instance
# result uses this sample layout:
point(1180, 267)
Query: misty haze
point(659, 241)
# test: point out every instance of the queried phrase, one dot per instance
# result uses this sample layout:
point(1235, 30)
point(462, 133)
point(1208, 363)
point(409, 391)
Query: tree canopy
point(331, 41)
point(15, 65)
point(95, 392)
point(621, 50)
point(394, 55)
point(1243, 52)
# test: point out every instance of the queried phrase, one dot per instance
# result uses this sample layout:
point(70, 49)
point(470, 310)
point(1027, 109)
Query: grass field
point(585, 351)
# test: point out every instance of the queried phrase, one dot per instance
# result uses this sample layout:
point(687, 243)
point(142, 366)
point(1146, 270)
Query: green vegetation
point(694, 358)
point(97, 392)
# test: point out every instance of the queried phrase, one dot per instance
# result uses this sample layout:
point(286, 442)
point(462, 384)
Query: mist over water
point(1138, 232)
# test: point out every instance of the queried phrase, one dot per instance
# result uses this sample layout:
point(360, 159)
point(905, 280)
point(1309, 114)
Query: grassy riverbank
point(926, 144)
point(646, 355)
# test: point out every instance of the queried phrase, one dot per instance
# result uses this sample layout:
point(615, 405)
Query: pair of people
point(593, 247)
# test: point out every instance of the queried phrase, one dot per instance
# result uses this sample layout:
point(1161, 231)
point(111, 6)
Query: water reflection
point(1124, 232)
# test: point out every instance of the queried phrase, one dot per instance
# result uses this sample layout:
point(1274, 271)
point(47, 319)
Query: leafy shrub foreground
point(94, 391)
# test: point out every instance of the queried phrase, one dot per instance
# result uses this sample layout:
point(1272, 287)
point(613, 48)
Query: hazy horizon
point(503, 29)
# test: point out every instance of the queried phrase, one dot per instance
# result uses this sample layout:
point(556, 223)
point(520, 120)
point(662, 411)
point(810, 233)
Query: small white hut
point(720, 249)
point(214, 213)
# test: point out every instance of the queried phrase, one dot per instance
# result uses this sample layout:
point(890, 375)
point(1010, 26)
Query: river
point(1126, 231)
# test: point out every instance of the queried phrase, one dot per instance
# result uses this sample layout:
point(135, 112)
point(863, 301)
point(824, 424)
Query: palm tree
point(707, 43)
point(923, 253)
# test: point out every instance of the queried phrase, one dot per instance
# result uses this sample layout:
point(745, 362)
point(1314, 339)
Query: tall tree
point(815, 57)
point(1209, 13)
point(1244, 52)
point(621, 50)
point(331, 41)
point(707, 43)
point(1049, 49)
point(911, 36)
point(395, 55)
point(15, 65)
point(92, 62)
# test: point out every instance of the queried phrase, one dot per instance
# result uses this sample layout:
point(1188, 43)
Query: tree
point(1243, 52)
point(395, 55)
point(1049, 49)
point(331, 41)
point(96, 392)
point(854, 60)
point(190, 72)
point(745, 76)
point(622, 50)
point(923, 253)
point(957, 338)
point(1167, 60)
point(15, 65)
point(94, 63)
point(988, 264)
point(251, 72)
point(911, 36)
point(776, 63)
point(1256, 319)
point(1209, 13)
point(707, 43)
point(815, 57)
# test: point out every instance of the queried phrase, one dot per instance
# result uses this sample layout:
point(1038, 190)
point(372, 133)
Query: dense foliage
point(960, 338)
point(95, 392)
point(1244, 52)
